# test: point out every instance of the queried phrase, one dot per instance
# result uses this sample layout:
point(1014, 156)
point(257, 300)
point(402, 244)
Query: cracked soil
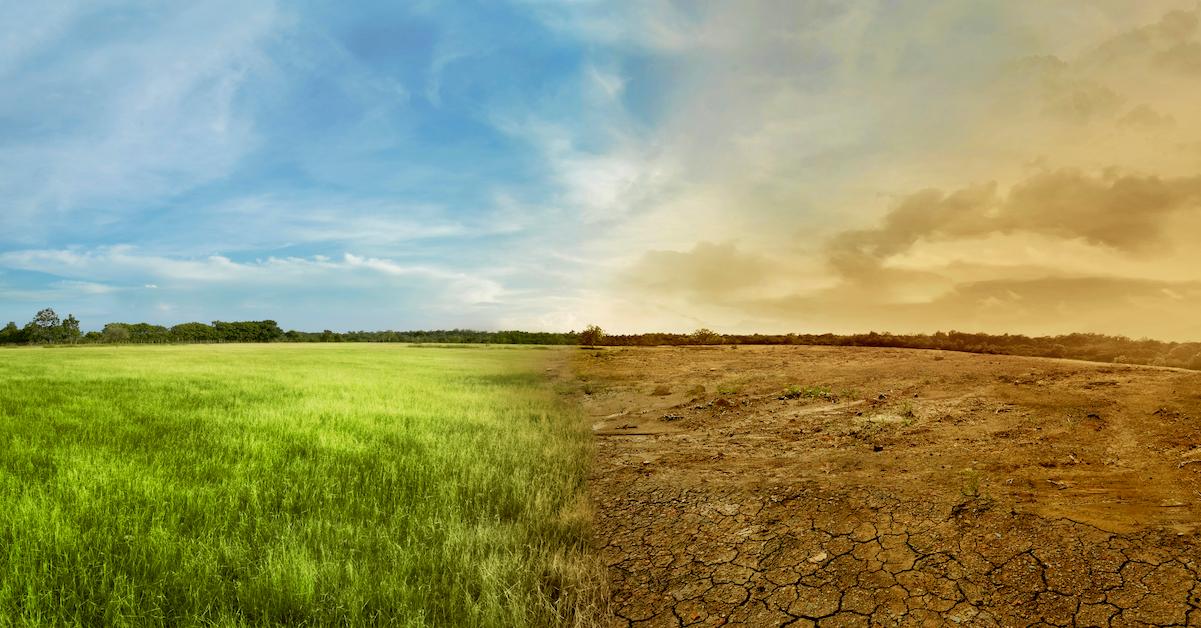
point(829, 486)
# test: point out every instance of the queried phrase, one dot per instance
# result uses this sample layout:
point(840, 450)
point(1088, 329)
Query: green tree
point(193, 332)
point(268, 331)
point(44, 328)
point(11, 334)
point(705, 336)
point(69, 329)
point(115, 332)
point(592, 336)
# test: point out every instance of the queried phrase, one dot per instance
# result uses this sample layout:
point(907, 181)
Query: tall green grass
point(290, 484)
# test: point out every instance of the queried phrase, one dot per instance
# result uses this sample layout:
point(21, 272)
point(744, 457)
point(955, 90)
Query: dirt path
point(895, 487)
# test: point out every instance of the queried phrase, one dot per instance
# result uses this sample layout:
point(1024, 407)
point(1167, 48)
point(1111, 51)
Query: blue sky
point(394, 165)
point(767, 165)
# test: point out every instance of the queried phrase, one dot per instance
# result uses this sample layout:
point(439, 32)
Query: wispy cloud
point(131, 116)
point(127, 264)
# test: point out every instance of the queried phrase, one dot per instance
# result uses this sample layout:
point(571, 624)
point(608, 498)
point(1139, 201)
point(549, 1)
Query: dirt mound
point(841, 486)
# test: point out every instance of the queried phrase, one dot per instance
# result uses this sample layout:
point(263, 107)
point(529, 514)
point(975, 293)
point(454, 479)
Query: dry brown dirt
point(898, 487)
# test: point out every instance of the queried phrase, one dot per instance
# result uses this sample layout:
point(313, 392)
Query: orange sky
point(1003, 167)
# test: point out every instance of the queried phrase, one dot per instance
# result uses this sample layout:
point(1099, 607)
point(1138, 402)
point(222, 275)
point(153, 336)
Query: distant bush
point(592, 336)
point(808, 392)
point(11, 334)
point(1195, 363)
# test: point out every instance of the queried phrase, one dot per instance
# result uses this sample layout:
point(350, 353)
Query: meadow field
point(291, 484)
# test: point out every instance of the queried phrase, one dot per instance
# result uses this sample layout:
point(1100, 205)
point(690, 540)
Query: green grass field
point(290, 484)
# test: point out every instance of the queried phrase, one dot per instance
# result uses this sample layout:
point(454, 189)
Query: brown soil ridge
point(901, 488)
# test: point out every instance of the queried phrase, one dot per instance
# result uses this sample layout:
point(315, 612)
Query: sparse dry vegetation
point(808, 392)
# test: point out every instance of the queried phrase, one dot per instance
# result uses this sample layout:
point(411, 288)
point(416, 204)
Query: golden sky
point(1025, 167)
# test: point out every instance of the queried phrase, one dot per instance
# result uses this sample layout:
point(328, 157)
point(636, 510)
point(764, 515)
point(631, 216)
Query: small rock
point(818, 558)
point(728, 510)
point(672, 417)
point(878, 448)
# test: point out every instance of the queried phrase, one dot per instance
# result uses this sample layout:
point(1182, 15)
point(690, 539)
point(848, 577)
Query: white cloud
point(265, 221)
point(58, 291)
point(609, 83)
point(595, 186)
point(128, 264)
point(86, 287)
point(466, 287)
point(136, 116)
point(658, 25)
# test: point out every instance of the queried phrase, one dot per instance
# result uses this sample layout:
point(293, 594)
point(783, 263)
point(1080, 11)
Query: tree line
point(1078, 346)
point(47, 328)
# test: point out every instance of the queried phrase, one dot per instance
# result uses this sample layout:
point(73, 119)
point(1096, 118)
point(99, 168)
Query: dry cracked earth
point(893, 487)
